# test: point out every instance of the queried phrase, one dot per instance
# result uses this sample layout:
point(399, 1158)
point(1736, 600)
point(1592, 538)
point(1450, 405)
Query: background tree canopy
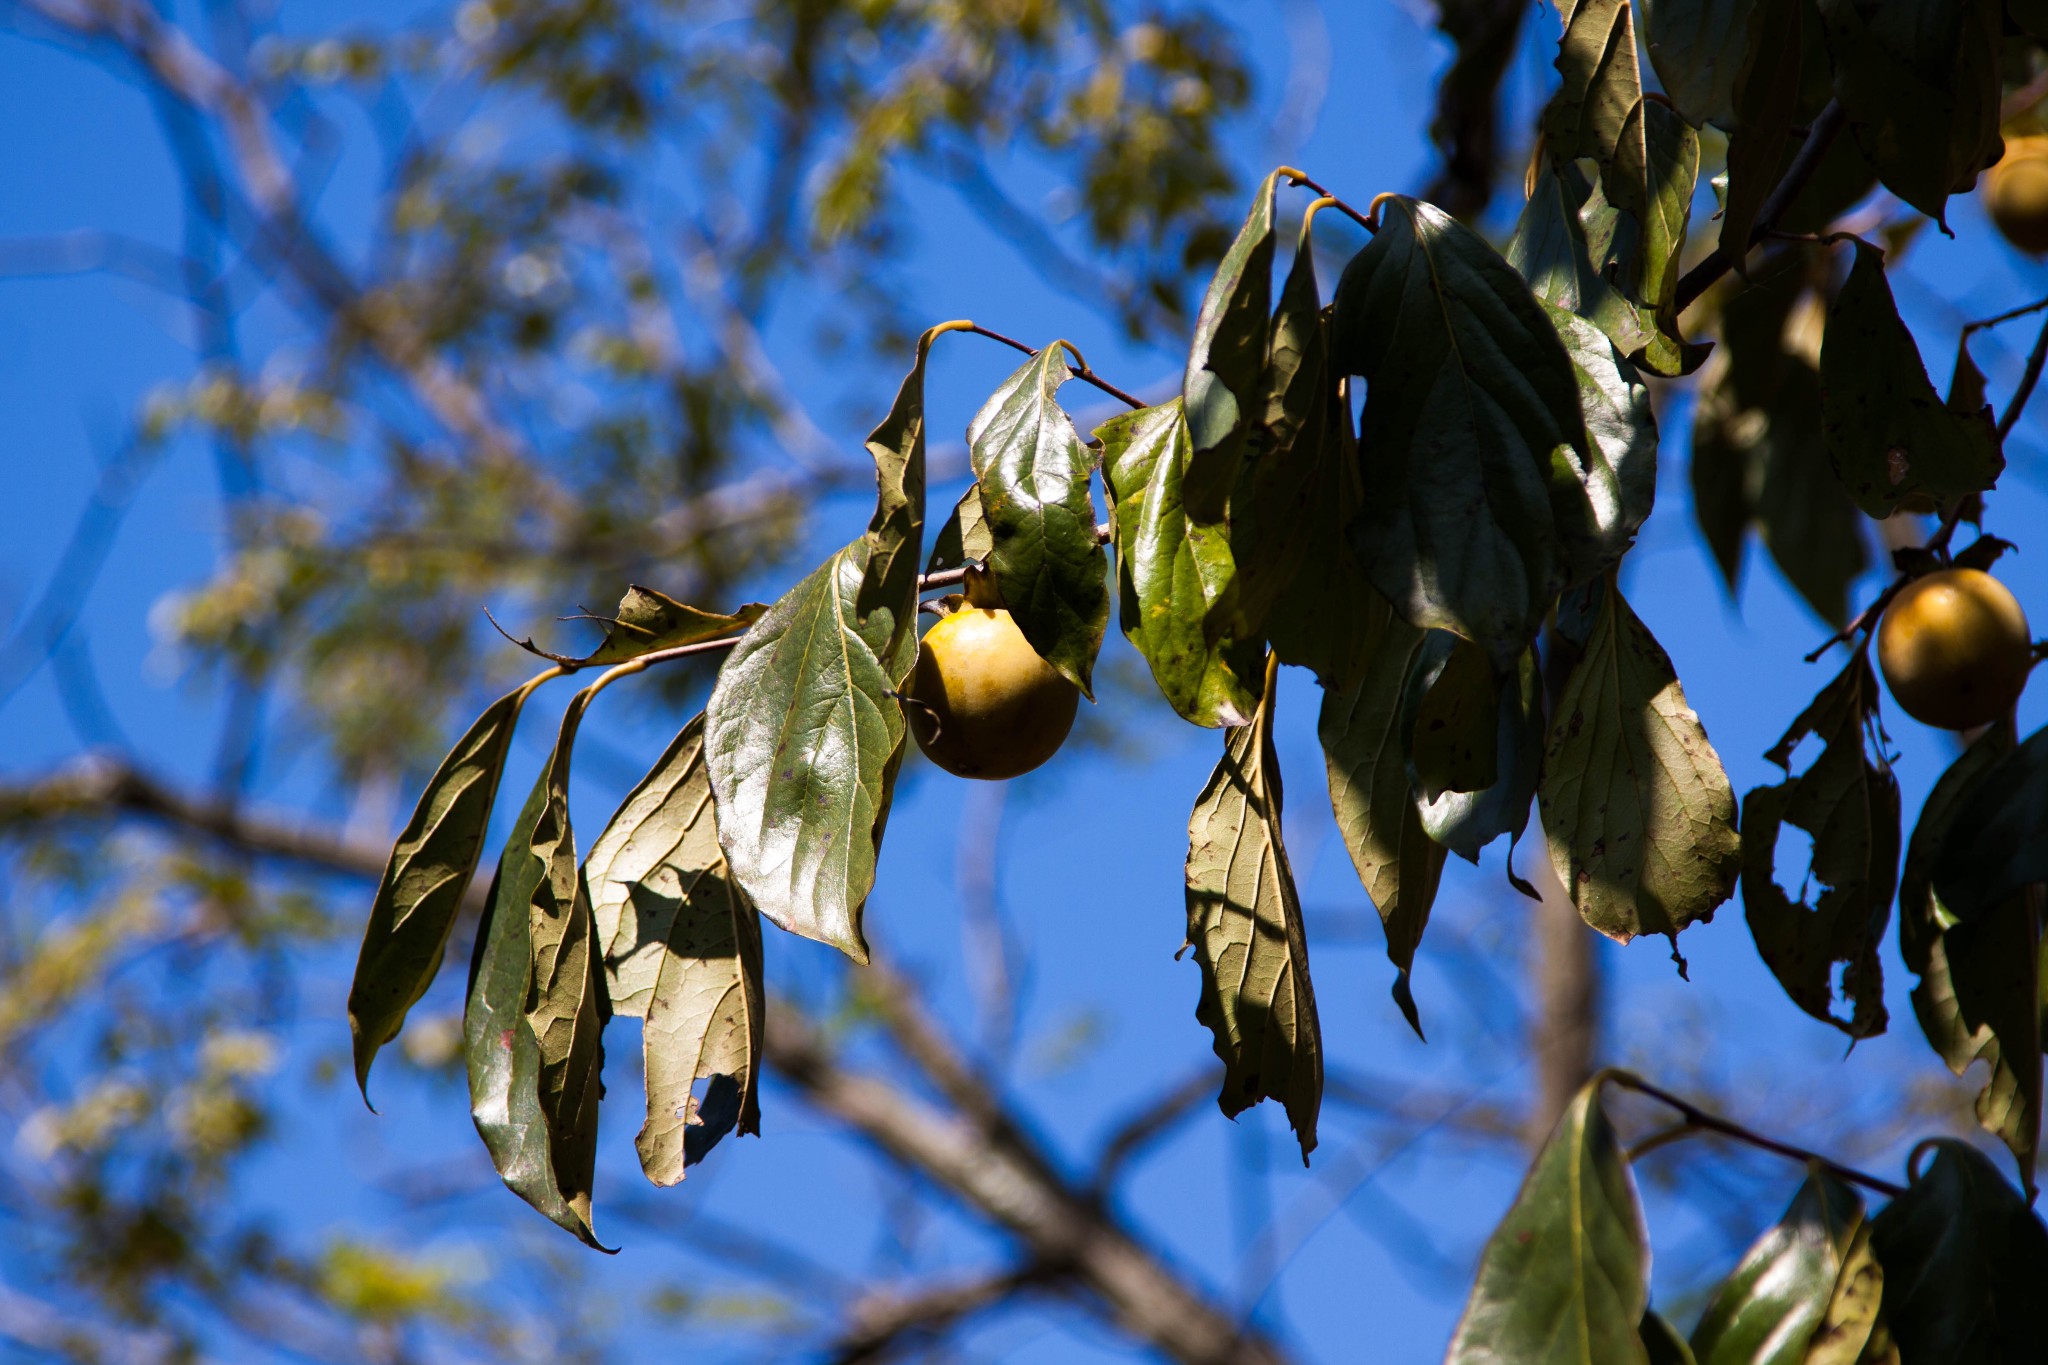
point(353, 347)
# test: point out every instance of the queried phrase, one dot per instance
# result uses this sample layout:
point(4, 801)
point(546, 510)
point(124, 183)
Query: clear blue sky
point(1091, 847)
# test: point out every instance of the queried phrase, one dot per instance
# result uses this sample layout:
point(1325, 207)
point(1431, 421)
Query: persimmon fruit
point(1954, 649)
point(2016, 194)
point(981, 702)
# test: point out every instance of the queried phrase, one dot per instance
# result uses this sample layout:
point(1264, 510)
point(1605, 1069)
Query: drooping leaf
point(648, 621)
point(1177, 580)
point(1697, 48)
point(1552, 250)
point(964, 536)
point(1244, 923)
point(1636, 805)
point(2000, 840)
point(1619, 475)
point(1848, 801)
point(504, 1059)
point(682, 950)
point(803, 735)
point(1777, 1300)
point(1455, 737)
point(1889, 434)
point(1920, 82)
point(1766, 105)
point(425, 881)
point(1470, 393)
point(1365, 751)
point(1565, 1277)
point(1033, 472)
point(1466, 822)
point(1226, 374)
point(1964, 1260)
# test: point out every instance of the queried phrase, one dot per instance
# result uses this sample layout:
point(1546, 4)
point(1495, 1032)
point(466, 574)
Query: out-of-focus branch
point(979, 1152)
point(882, 1326)
point(1466, 127)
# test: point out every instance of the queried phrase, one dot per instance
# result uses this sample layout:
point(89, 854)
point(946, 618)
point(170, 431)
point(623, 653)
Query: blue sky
point(1090, 847)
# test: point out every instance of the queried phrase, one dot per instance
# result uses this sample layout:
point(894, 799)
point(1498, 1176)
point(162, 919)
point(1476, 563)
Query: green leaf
point(1466, 822)
point(1766, 105)
point(1469, 395)
point(1697, 47)
point(1620, 474)
point(2002, 839)
point(1964, 1261)
point(1033, 471)
point(1636, 806)
point(504, 1058)
point(1980, 993)
point(648, 621)
point(1177, 580)
point(1244, 923)
point(1777, 1299)
point(1365, 750)
point(425, 881)
point(1564, 1278)
point(1226, 376)
point(682, 950)
point(803, 735)
point(1456, 735)
point(1889, 435)
point(1552, 250)
point(1851, 1331)
point(965, 535)
point(1662, 1341)
point(1849, 802)
point(1919, 80)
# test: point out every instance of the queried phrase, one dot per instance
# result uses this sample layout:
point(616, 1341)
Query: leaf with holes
point(1244, 923)
point(682, 950)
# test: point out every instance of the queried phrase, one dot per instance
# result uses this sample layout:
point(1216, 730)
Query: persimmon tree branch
point(1699, 1120)
point(1819, 138)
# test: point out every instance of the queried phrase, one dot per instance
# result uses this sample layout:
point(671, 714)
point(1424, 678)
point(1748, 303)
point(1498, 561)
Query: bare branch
point(881, 1325)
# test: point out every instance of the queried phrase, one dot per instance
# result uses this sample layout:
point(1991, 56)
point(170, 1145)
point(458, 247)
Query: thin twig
point(1700, 1118)
point(1295, 177)
point(2028, 379)
point(1081, 370)
point(1701, 277)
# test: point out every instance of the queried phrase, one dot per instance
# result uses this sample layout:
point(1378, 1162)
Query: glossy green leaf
point(964, 536)
point(1244, 923)
point(1920, 82)
point(1766, 105)
point(1469, 395)
point(1964, 1262)
point(648, 621)
point(1365, 752)
point(504, 1058)
point(1636, 805)
point(1697, 48)
point(425, 881)
point(1177, 580)
point(2001, 838)
point(1466, 822)
point(1224, 388)
point(1619, 475)
point(1033, 471)
point(682, 950)
point(1776, 1301)
point(1564, 1278)
point(1889, 434)
point(803, 735)
point(1848, 801)
point(1454, 744)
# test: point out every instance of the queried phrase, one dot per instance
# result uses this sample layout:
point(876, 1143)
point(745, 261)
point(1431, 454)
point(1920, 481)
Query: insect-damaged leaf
point(1226, 375)
point(1177, 580)
point(425, 881)
point(648, 621)
point(1889, 434)
point(682, 950)
point(1849, 803)
point(1981, 990)
point(1033, 472)
point(1920, 82)
point(1244, 923)
point(1964, 1261)
point(1636, 805)
point(1697, 48)
point(1565, 1277)
point(1365, 749)
point(1470, 395)
point(803, 735)
point(2000, 842)
point(504, 1056)
point(1777, 1301)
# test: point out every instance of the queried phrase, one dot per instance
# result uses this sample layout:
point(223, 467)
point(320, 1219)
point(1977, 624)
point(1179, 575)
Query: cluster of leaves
point(1950, 1269)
